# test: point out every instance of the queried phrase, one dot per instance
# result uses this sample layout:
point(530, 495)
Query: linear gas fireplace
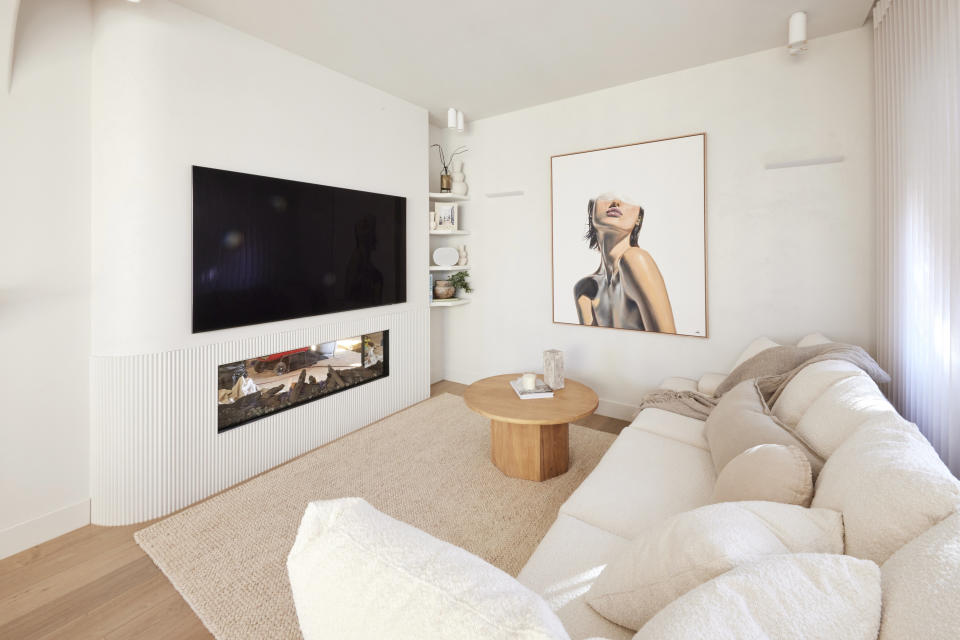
point(257, 387)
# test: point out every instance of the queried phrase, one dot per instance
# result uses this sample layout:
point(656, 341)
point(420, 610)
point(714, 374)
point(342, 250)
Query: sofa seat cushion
point(890, 485)
point(921, 585)
point(358, 573)
point(641, 480)
point(672, 425)
point(788, 597)
point(563, 568)
point(683, 552)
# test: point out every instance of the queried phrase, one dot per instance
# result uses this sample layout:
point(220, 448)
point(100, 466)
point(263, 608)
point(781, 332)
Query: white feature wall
point(172, 89)
point(44, 272)
point(789, 251)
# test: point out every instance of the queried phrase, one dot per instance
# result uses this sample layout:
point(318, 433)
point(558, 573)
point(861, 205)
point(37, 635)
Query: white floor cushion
point(839, 411)
point(564, 567)
point(666, 561)
point(642, 479)
point(890, 485)
point(808, 385)
point(358, 573)
point(921, 586)
point(788, 597)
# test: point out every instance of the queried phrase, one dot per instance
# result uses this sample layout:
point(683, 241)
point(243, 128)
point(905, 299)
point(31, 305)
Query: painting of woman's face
point(617, 212)
point(629, 236)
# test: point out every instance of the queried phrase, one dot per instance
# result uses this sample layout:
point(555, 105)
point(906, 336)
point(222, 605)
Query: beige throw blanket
point(773, 368)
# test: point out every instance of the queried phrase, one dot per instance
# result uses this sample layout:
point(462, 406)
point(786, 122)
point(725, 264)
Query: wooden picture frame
point(660, 185)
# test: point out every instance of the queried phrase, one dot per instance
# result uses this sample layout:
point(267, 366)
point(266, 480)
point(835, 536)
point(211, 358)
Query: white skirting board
point(47, 527)
point(154, 441)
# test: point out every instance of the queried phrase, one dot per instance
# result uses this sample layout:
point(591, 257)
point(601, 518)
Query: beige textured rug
point(428, 466)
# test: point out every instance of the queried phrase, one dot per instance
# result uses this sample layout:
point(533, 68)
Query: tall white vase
point(459, 187)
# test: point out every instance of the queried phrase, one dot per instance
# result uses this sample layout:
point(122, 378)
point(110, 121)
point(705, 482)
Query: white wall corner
point(614, 409)
point(47, 527)
point(9, 9)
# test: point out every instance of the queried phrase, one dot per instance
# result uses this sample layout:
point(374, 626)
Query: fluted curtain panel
point(917, 67)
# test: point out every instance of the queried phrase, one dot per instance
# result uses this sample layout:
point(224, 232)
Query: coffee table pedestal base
point(530, 451)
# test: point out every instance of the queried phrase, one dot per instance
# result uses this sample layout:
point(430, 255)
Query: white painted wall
point(788, 251)
point(45, 274)
point(171, 89)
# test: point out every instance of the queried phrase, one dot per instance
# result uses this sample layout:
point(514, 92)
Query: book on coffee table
point(541, 390)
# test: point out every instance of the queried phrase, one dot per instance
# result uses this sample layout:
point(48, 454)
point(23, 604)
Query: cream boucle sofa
point(660, 465)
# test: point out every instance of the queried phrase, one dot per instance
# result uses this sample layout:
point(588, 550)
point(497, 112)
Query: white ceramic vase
point(459, 187)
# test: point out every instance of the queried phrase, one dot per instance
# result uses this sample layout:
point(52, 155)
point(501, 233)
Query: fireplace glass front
point(256, 387)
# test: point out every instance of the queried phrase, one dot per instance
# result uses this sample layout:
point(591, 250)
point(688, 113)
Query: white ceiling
point(488, 57)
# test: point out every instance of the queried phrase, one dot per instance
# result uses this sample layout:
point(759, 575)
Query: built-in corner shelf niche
point(437, 237)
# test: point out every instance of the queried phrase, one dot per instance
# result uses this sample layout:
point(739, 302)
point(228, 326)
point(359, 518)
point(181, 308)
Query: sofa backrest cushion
point(921, 585)
point(665, 561)
point(813, 339)
point(760, 344)
point(739, 422)
point(792, 596)
point(771, 472)
point(358, 573)
point(809, 383)
point(838, 412)
point(890, 485)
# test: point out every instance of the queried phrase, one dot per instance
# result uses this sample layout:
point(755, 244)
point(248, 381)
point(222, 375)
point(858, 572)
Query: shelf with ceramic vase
point(434, 267)
point(449, 302)
point(447, 197)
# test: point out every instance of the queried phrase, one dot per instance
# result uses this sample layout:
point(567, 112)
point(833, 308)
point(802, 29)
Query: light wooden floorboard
point(96, 582)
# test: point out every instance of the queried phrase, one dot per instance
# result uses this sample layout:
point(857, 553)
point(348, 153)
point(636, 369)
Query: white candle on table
point(529, 381)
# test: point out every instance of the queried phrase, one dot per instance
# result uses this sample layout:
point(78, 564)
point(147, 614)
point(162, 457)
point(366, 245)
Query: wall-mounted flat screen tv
point(266, 249)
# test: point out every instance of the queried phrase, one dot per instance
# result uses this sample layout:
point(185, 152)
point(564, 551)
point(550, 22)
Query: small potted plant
point(460, 282)
point(446, 181)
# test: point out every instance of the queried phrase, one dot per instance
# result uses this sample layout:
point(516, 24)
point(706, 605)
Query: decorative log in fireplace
point(256, 387)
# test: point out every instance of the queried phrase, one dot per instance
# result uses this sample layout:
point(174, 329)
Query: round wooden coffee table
point(529, 439)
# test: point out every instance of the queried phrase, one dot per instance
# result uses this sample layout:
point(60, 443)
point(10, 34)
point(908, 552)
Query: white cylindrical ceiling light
point(797, 40)
point(451, 118)
point(460, 121)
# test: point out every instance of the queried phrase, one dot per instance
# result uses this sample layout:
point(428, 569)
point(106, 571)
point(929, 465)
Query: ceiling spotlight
point(797, 41)
point(460, 121)
point(451, 118)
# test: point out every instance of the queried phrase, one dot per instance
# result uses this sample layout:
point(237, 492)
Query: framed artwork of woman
point(629, 237)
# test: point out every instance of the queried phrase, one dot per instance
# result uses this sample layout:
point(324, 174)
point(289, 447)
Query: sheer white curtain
point(917, 66)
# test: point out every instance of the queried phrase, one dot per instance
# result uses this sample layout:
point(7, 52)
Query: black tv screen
point(266, 249)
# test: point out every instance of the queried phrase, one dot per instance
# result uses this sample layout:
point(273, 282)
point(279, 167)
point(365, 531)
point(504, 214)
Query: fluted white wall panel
point(917, 66)
point(155, 446)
